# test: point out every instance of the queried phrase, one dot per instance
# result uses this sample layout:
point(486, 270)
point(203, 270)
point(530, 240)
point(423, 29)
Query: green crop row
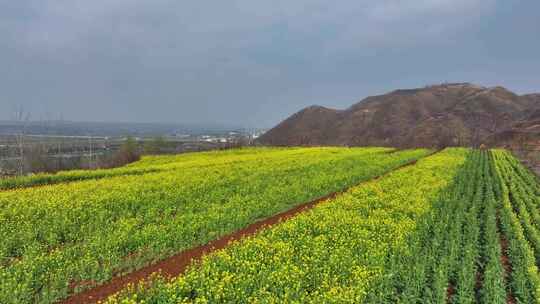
point(63, 238)
point(439, 261)
point(334, 253)
point(521, 234)
point(458, 252)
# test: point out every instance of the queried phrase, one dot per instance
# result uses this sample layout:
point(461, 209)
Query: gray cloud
point(250, 62)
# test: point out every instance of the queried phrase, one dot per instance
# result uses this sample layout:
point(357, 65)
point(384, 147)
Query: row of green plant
point(439, 261)
point(456, 254)
point(334, 253)
point(530, 180)
point(520, 233)
point(63, 238)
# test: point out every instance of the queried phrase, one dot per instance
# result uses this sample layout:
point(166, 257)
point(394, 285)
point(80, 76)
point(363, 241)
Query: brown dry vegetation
point(436, 116)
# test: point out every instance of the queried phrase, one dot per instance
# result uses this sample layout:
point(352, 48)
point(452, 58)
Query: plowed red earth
point(175, 265)
point(450, 292)
point(507, 265)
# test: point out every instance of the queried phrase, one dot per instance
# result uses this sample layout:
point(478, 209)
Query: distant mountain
point(435, 116)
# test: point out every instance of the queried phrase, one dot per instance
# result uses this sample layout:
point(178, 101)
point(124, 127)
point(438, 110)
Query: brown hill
point(435, 116)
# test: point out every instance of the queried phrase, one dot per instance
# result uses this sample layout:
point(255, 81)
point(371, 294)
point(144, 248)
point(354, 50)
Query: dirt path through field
point(175, 265)
point(505, 261)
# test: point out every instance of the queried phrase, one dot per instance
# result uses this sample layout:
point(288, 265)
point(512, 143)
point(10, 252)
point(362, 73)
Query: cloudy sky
point(251, 62)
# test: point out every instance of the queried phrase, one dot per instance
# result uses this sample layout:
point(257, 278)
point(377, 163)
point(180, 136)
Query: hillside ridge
point(448, 114)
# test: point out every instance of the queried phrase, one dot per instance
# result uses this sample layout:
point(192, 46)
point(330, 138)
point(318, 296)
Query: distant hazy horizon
point(251, 63)
point(38, 120)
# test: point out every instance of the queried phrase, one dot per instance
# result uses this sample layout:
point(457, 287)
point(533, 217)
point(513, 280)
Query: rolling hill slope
point(441, 115)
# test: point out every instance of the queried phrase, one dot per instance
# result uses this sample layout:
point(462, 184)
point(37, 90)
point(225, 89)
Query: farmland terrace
point(352, 225)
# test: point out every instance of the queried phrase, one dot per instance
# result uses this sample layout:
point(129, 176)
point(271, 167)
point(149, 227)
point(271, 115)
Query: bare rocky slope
point(435, 116)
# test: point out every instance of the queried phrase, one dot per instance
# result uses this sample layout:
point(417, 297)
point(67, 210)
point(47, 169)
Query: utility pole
point(60, 142)
point(22, 117)
point(91, 155)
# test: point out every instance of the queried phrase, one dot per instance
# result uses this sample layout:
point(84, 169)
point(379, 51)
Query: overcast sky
point(251, 62)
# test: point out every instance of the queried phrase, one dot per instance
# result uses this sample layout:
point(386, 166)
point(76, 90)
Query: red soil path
point(506, 264)
point(175, 265)
point(450, 292)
